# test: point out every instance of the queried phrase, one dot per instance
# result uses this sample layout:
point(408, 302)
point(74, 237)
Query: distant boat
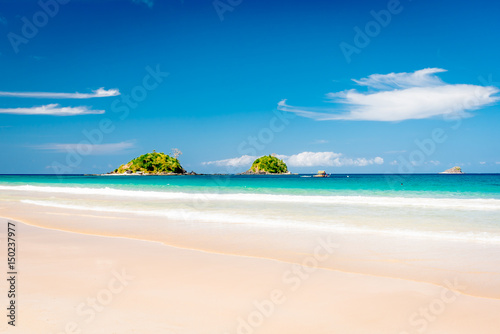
point(321, 173)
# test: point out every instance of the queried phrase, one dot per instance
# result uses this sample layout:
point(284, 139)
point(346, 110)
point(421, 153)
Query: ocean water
point(457, 207)
point(386, 185)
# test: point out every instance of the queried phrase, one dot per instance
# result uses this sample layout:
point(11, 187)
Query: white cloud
point(101, 92)
point(394, 162)
point(421, 78)
point(304, 159)
point(401, 96)
point(51, 109)
point(309, 159)
point(88, 149)
point(245, 160)
point(482, 162)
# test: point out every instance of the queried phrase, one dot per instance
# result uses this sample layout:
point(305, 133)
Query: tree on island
point(268, 164)
point(152, 163)
point(176, 152)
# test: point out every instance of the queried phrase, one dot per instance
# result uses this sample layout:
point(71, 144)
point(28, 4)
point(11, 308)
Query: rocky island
point(154, 163)
point(268, 164)
point(453, 170)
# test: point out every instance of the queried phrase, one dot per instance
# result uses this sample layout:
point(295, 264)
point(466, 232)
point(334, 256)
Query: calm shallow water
point(392, 185)
point(459, 207)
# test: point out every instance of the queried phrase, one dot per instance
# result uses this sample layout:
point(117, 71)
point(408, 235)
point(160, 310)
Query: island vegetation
point(268, 164)
point(159, 163)
point(155, 163)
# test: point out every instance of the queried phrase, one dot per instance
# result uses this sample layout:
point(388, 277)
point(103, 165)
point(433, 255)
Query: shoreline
point(259, 241)
point(207, 263)
point(238, 174)
point(162, 299)
point(124, 238)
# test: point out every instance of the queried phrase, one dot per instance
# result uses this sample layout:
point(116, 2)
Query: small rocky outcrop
point(453, 170)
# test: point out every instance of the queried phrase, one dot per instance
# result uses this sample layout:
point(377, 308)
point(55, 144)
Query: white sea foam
point(190, 215)
point(385, 201)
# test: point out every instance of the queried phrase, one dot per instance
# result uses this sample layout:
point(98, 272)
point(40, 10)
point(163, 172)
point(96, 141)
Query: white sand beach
point(82, 272)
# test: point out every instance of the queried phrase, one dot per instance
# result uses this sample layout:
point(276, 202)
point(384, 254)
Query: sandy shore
point(81, 272)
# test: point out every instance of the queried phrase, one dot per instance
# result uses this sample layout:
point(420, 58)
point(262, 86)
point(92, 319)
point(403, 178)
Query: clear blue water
point(459, 207)
point(485, 186)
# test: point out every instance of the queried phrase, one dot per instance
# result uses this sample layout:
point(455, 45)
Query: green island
point(159, 163)
point(155, 163)
point(268, 164)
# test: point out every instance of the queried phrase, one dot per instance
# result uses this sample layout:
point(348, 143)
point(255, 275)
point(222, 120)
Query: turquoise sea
point(386, 185)
point(459, 207)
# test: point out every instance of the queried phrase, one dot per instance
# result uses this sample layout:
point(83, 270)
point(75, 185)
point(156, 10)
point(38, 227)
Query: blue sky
point(346, 86)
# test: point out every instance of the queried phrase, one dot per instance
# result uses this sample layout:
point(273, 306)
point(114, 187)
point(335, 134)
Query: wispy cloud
point(401, 96)
point(309, 159)
point(101, 92)
point(88, 149)
point(244, 160)
point(421, 78)
point(51, 109)
point(304, 159)
point(433, 162)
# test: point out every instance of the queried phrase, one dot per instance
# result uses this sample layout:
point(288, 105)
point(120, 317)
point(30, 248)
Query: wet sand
point(90, 272)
